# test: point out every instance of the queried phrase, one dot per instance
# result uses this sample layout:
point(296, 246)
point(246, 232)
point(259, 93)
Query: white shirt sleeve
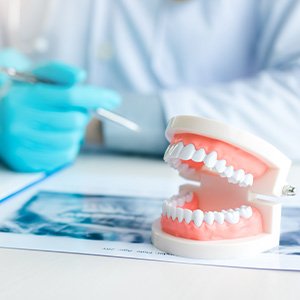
point(147, 112)
point(267, 104)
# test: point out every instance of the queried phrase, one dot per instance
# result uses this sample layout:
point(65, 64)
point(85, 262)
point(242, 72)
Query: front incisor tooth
point(198, 217)
point(169, 207)
point(164, 209)
point(199, 155)
point(187, 215)
point(177, 149)
point(173, 212)
point(211, 159)
point(168, 152)
point(179, 213)
point(209, 217)
point(187, 152)
point(220, 166)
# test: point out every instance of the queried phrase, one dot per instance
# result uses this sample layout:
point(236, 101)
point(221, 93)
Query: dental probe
point(98, 113)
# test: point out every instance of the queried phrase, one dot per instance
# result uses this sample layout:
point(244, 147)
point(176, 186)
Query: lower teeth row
point(231, 216)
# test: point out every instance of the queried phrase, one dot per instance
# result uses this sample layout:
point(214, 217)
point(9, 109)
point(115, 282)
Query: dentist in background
point(230, 60)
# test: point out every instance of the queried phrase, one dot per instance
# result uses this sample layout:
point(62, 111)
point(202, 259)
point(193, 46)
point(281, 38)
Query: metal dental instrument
point(99, 113)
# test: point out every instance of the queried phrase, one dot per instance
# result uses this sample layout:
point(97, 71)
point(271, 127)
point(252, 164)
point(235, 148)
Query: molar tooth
point(211, 159)
point(219, 217)
point(198, 217)
point(187, 152)
point(228, 172)
point(187, 215)
point(246, 211)
point(232, 180)
point(220, 166)
point(209, 217)
point(179, 214)
point(199, 155)
point(232, 217)
point(173, 212)
point(239, 175)
point(177, 149)
point(248, 180)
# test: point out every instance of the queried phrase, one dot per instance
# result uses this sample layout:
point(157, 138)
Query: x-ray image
point(100, 217)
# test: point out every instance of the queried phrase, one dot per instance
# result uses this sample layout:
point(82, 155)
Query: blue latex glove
point(42, 126)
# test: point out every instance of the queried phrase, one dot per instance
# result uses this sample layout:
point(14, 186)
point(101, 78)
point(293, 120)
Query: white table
point(43, 275)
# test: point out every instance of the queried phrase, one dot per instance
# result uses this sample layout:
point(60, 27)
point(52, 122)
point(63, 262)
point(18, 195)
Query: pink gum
point(234, 156)
point(244, 228)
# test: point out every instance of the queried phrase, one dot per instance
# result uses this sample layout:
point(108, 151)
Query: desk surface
point(46, 275)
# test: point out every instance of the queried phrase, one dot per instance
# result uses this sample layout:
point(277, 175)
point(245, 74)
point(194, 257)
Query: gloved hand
point(41, 125)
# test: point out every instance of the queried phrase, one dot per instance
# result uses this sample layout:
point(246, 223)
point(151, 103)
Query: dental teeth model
point(221, 216)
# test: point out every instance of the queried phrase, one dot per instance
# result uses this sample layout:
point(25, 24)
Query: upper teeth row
point(179, 151)
point(181, 199)
point(231, 216)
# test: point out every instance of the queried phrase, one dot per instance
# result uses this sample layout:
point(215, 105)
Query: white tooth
point(198, 217)
point(173, 146)
point(228, 172)
point(173, 212)
point(179, 213)
point(239, 175)
point(187, 152)
point(220, 166)
point(232, 217)
point(246, 211)
point(199, 155)
point(182, 167)
point(188, 197)
point(180, 202)
point(173, 203)
point(169, 207)
point(209, 217)
point(168, 152)
point(164, 209)
point(219, 217)
point(211, 159)
point(174, 163)
point(248, 180)
point(231, 180)
point(177, 149)
point(187, 215)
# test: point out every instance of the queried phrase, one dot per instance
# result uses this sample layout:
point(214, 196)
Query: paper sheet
point(11, 182)
point(109, 214)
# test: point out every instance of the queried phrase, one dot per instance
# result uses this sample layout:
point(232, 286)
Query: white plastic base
point(221, 249)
